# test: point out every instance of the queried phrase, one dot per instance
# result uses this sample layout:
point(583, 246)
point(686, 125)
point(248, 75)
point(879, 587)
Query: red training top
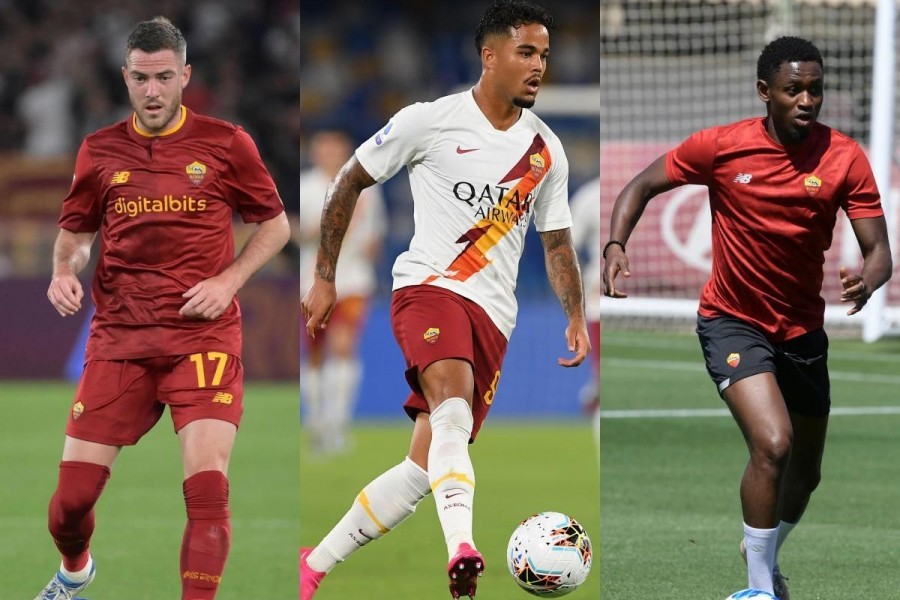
point(773, 215)
point(163, 206)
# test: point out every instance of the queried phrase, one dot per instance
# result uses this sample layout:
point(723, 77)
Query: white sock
point(784, 528)
point(311, 388)
point(381, 506)
point(761, 544)
point(450, 471)
point(78, 576)
point(340, 380)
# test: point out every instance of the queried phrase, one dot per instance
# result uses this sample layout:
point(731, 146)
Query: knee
point(772, 449)
point(807, 480)
point(79, 488)
point(80, 485)
point(206, 495)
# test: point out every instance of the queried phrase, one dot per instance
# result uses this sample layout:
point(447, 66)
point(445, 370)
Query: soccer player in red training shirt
point(161, 188)
point(481, 165)
point(775, 186)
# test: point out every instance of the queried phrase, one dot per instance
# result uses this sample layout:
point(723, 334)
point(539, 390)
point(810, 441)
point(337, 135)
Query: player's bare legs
point(448, 386)
point(804, 470)
point(206, 446)
point(758, 407)
point(83, 474)
point(801, 479)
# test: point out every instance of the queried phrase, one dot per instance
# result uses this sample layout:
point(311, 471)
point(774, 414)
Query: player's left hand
point(579, 342)
point(209, 298)
point(854, 290)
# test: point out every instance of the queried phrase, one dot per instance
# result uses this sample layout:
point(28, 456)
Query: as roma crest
point(813, 184)
point(537, 165)
point(196, 172)
point(431, 335)
point(733, 360)
point(77, 409)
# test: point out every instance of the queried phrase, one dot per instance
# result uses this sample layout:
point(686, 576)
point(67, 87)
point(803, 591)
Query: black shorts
point(734, 350)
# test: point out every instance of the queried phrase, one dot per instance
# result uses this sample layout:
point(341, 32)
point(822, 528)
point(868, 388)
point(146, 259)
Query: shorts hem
point(742, 375)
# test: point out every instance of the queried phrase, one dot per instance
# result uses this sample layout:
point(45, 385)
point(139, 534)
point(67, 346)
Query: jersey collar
point(174, 129)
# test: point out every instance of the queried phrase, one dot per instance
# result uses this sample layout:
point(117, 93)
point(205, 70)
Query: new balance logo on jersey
point(119, 177)
point(222, 398)
point(743, 178)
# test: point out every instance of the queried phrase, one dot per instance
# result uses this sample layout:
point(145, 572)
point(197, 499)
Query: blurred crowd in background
point(60, 79)
point(364, 61)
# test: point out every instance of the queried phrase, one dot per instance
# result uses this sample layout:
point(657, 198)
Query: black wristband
point(612, 243)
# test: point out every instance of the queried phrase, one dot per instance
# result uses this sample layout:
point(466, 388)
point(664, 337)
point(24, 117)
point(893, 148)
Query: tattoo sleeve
point(563, 271)
point(340, 200)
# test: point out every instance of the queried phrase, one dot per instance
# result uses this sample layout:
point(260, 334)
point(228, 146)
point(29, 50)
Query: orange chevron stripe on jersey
point(487, 233)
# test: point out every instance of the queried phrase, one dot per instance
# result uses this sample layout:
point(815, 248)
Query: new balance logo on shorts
point(223, 398)
point(743, 178)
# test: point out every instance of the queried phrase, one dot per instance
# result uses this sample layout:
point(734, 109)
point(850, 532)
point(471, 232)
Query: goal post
point(669, 68)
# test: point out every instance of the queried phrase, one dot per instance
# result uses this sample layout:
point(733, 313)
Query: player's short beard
point(523, 102)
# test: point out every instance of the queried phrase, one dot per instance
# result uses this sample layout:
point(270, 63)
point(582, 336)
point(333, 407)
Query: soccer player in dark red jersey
point(775, 186)
point(161, 189)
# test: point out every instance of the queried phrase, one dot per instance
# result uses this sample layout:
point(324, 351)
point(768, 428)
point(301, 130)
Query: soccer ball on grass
point(549, 554)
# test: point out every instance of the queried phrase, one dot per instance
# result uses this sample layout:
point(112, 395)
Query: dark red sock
point(207, 536)
point(71, 512)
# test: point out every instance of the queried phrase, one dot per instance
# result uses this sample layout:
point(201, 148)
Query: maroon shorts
point(118, 401)
point(431, 324)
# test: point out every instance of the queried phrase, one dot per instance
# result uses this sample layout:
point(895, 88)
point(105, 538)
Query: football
point(751, 594)
point(549, 554)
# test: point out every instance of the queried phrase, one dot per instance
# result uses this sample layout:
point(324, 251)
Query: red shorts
point(118, 401)
point(431, 324)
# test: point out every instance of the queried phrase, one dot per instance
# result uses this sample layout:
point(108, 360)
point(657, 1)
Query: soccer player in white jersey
point(585, 207)
point(331, 370)
point(480, 166)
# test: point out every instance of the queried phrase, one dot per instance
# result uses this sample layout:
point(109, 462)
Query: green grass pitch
point(520, 467)
point(670, 511)
point(141, 515)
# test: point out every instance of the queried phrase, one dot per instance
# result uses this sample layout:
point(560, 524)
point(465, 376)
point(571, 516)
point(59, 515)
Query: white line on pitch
point(690, 413)
point(696, 366)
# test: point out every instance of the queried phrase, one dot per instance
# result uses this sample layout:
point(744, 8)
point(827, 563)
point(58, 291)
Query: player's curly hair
point(784, 50)
point(503, 14)
point(154, 35)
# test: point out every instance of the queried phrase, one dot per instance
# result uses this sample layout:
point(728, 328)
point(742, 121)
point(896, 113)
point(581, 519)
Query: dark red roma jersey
point(773, 215)
point(164, 207)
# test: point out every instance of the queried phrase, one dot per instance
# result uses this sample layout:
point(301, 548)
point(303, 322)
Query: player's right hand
point(616, 262)
point(65, 294)
point(317, 305)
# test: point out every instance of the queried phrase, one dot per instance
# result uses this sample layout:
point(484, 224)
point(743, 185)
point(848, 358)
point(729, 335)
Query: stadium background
point(60, 79)
point(364, 62)
point(361, 63)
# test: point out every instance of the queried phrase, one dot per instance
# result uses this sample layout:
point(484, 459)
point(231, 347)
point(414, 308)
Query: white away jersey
point(355, 273)
point(585, 207)
point(474, 189)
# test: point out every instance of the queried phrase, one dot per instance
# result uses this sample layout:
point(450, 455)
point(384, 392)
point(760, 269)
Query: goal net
point(670, 68)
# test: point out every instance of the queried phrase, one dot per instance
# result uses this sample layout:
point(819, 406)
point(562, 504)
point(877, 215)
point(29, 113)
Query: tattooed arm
point(565, 278)
point(340, 200)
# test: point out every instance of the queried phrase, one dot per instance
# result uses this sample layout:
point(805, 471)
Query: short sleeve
point(861, 199)
point(401, 142)
point(692, 160)
point(249, 187)
point(82, 210)
point(552, 209)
